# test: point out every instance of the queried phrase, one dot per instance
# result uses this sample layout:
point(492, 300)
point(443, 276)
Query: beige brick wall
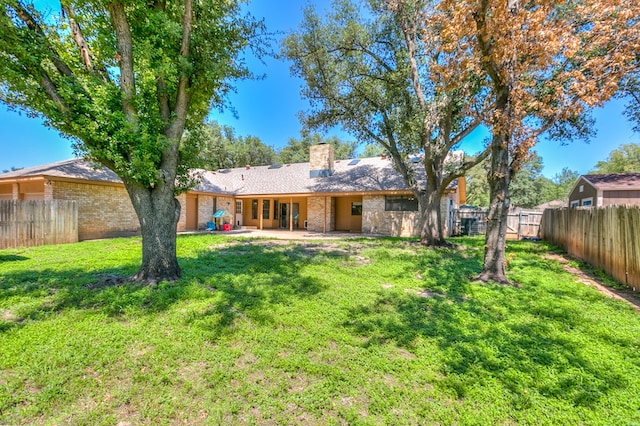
point(226, 203)
point(317, 216)
point(321, 157)
point(103, 211)
point(205, 210)
point(182, 220)
point(375, 220)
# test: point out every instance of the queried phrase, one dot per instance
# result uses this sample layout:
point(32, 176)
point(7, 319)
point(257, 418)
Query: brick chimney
point(321, 160)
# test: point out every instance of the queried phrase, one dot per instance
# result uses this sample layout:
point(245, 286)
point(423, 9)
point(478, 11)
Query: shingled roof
point(362, 175)
point(75, 168)
point(615, 181)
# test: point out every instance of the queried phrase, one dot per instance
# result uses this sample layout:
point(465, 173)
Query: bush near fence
point(607, 238)
point(34, 223)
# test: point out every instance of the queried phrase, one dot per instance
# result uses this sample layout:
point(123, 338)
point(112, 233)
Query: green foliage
point(624, 159)
point(221, 148)
point(372, 69)
point(563, 184)
point(373, 150)
point(362, 331)
point(126, 102)
point(297, 150)
point(477, 185)
point(527, 189)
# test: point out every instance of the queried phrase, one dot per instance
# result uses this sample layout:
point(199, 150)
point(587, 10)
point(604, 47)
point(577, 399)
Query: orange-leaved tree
point(546, 64)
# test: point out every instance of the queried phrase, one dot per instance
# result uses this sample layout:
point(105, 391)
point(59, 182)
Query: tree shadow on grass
point(240, 281)
point(520, 338)
point(11, 258)
point(249, 278)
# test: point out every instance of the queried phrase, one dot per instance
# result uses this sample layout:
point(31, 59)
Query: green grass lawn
point(366, 331)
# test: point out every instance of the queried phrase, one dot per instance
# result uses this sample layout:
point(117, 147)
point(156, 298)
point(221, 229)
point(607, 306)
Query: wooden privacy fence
point(34, 223)
point(521, 223)
point(607, 238)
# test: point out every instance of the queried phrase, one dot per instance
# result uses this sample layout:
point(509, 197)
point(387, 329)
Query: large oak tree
point(374, 69)
point(125, 80)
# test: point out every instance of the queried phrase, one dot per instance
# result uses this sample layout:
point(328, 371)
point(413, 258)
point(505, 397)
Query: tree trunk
point(495, 241)
point(158, 212)
point(431, 231)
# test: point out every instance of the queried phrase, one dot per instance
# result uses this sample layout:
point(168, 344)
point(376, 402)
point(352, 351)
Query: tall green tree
point(221, 148)
point(563, 183)
point(124, 80)
point(527, 189)
point(624, 159)
point(477, 185)
point(374, 69)
point(297, 150)
point(373, 150)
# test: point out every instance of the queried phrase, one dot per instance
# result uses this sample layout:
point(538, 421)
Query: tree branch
point(33, 25)
point(81, 42)
point(125, 58)
point(182, 95)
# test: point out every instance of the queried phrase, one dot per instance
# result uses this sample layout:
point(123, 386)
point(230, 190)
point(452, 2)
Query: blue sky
point(268, 109)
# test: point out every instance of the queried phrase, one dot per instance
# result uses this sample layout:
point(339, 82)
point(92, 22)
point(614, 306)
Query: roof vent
point(247, 167)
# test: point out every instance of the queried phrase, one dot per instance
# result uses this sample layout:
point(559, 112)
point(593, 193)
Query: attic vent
point(275, 166)
point(354, 162)
point(415, 159)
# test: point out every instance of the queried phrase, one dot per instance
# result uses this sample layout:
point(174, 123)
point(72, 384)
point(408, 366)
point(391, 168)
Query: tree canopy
point(297, 150)
point(528, 188)
point(124, 80)
point(624, 159)
point(370, 69)
point(221, 148)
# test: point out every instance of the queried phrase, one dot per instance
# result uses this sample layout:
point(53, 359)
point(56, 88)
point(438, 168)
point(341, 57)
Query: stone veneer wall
point(316, 214)
point(375, 220)
point(104, 211)
point(205, 210)
point(182, 220)
point(321, 158)
point(228, 204)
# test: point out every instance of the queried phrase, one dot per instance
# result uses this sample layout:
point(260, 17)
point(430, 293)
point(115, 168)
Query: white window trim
point(575, 203)
point(589, 200)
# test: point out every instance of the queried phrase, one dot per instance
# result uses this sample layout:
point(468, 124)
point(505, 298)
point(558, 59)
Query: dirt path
point(630, 297)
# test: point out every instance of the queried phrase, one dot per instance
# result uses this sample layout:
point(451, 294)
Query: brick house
point(361, 195)
point(606, 190)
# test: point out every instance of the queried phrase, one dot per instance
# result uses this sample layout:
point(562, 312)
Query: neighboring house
point(606, 190)
point(361, 195)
